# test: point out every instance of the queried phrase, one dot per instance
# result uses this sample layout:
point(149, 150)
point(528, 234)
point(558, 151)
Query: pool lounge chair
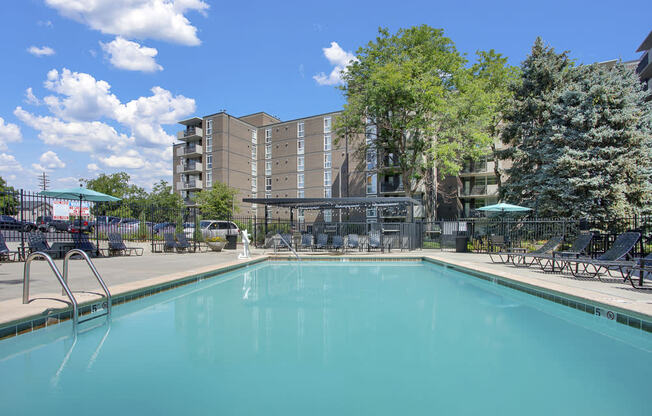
point(169, 244)
point(519, 258)
point(322, 242)
point(306, 242)
point(337, 243)
point(5, 253)
point(352, 242)
point(84, 244)
point(612, 259)
point(375, 242)
point(182, 242)
point(547, 262)
point(639, 272)
point(117, 245)
point(37, 242)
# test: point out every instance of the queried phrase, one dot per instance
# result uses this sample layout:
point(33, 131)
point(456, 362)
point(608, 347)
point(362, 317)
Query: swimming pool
point(333, 338)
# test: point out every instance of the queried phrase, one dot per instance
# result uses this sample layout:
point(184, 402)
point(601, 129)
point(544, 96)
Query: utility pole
point(43, 181)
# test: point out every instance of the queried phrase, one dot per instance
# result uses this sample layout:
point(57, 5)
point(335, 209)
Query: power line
point(43, 181)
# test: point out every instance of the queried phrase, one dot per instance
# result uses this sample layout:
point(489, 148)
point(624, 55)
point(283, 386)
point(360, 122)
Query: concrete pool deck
point(129, 274)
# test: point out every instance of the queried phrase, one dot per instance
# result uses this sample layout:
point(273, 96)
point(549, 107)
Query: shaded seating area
point(117, 246)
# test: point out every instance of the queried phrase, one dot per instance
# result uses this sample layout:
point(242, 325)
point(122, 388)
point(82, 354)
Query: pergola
point(333, 203)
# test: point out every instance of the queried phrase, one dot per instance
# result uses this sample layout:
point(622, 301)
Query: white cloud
point(129, 160)
point(125, 54)
point(66, 181)
point(93, 167)
point(46, 23)
point(30, 98)
point(42, 51)
point(51, 160)
point(8, 163)
point(140, 19)
point(340, 59)
point(9, 133)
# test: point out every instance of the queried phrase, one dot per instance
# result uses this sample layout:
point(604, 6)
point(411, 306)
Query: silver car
point(212, 228)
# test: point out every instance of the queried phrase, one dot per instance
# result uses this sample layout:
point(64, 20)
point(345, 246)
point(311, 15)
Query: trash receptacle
point(231, 242)
point(461, 242)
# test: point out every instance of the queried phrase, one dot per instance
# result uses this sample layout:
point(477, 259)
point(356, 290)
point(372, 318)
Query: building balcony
point(196, 167)
point(190, 134)
point(478, 168)
point(189, 151)
point(479, 191)
point(189, 185)
point(395, 186)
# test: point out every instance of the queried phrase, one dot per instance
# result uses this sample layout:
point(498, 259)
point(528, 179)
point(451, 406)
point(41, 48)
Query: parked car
point(8, 222)
point(50, 225)
point(164, 227)
point(83, 225)
point(211, 228)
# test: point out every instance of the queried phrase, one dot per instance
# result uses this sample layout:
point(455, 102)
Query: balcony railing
point(644, 61)
point(190, 167)
point(191, 150)
point(192, 184)
point(475, 190)
point(193, 132)
point(475, 168)
point(391, 186)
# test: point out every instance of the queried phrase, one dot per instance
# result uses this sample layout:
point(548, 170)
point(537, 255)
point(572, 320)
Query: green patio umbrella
point(503, 207)
point(80, 193)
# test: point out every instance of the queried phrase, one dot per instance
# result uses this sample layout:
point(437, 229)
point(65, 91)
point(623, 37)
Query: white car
point(211, 228)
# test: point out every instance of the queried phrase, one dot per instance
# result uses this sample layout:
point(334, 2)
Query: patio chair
point(84, 244)
point(352, 242)
point(375, 242)
point(519, 257)
point(169, 243)
point(405, 243)
point(182, 242)
point(612, 259)
point(117, 245)
point(497, 241)
point(641, 270)
point(37, 242)
point(5, 253)
point(322, 242)
point(577, 249)
point(306, 241)
point(337, 243)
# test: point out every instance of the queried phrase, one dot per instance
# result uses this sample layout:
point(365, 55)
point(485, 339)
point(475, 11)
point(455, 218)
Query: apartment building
point(644, 67)
point(264, 157)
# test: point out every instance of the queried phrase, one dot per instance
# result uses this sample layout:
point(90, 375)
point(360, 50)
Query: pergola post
point(291, 218)
point(266, 218)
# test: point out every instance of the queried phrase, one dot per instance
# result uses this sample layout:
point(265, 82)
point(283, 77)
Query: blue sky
point(90, 87)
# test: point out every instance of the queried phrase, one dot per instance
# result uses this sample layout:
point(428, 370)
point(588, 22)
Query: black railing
point(644, 61)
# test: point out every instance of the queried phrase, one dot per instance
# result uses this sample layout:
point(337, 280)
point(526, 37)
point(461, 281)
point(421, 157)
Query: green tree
point(164, 203)
point(422, 109)
point(118, 185)
point(219, 202)
point(526, 129)
point(8, 200)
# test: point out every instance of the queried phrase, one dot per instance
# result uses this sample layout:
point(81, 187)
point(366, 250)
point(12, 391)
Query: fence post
point(22, 233)
point(151, 218)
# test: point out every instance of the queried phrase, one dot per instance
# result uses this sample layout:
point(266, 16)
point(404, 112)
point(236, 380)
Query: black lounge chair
point(375, 242)
point(352, 241)
point(84, 244)
point(182, 242)
point(612, 259)
point(306, 241)
point(117, 245)
point(577, 249)
point(37, 242)
point(322, 242)
point(641, 270)
point(519, 258)
point(169, 243)
point(5, 253)
point(337, 243)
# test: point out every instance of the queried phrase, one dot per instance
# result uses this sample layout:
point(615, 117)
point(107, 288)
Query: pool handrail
point(82, 253)
point(288, 246)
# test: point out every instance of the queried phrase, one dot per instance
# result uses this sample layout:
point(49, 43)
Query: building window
point(300, 164)
point(492, 180)
point(268, 135)
point(254, 169)
point(327, 161)
point(209, 161)
point(370, 134)
point(300, 129)
point(209, 178)
point(254, 151)
point(328, 193)
point(254, 136)
point(328, 215)
point(327, 124)
point(268, 168)
point(301, 193)
point(300, 180)
point(371, 159)
point(254, 185)
point(327, 178)
point(300, 147)
point(372, 213)
point(268, 184)
point(209, 144)
point(268, 195)
point(209, 127)
point(371, 184)
point(268, 151)
point(327, 143)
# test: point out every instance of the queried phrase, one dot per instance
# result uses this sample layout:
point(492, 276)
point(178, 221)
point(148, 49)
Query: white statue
point(245, 246)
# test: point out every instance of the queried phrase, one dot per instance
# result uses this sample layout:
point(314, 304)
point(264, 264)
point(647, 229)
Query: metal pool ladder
point(289, 246)
point(63, 280)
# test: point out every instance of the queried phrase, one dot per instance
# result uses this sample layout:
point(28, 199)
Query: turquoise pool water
point(333, 339)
